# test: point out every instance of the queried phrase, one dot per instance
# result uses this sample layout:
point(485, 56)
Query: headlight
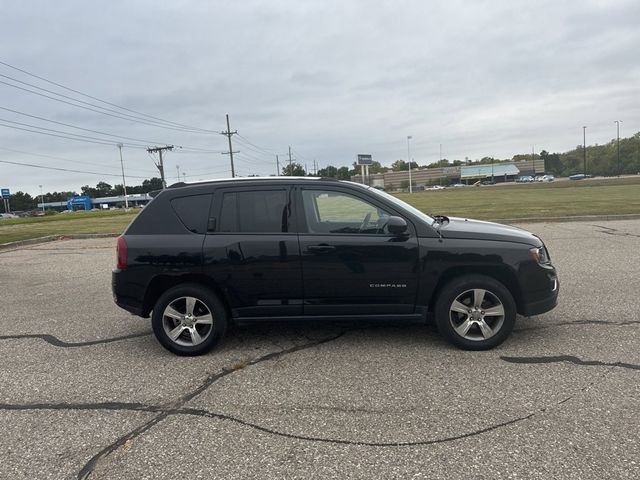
point(540, 254)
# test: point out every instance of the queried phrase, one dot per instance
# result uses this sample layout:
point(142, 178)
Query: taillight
point(121, 253)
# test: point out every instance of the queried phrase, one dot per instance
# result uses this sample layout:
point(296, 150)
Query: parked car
point(457, 185)
point(201, 256)
point(525, 179)
point(7, 216)
point(488, 181)
point(579, 176)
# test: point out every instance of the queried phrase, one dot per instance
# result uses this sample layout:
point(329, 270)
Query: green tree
point(344, 173)
point(151, 184)
point(328, 172)
point(21, 201)
point(294, 169)
point(89, 191)
point(401, 166)
point(376, 167)
point(103, 189)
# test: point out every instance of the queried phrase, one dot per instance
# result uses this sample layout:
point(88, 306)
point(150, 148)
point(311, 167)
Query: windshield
point(399, 203)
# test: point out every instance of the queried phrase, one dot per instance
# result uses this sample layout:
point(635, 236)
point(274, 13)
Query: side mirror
point(397, 225)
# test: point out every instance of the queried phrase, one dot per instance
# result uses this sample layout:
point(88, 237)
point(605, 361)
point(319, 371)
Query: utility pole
point(409, 137)
point(290, 162)
point(584, 149)
point(533, 159)
point(618, 122)
point(124, 183)
point(277, 166)
point(41, 198)
point(160, 165)
point(229, 134)
point(178, 170)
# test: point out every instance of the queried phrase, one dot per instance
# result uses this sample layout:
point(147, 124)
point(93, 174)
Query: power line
point(254, 150)
point(96, 111)
point(121, 114)
point(256, 159)
point(100, 100)
point(263, 149)
point(60, 159)
point(202, 149)
point(76, 127)
point(68, 138)
point(33, 165)
point(69, 134)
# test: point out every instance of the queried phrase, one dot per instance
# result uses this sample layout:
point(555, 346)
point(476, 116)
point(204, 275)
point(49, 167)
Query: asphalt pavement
point(87, 392)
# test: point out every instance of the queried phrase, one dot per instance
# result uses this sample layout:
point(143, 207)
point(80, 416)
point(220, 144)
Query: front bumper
point(545, 302)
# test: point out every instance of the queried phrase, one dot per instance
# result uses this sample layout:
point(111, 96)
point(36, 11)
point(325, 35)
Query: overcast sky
point(330, 78)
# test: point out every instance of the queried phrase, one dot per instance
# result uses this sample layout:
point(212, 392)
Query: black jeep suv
point(201, 255)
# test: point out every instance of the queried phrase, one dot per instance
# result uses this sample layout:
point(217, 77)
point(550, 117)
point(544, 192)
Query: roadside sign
point(5, 193)
point(364, 159)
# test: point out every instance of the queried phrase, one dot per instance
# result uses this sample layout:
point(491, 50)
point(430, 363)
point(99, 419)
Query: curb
point(53, 238)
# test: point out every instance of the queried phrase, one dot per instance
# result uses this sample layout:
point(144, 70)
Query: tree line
point(602, 160)
point(22, 201)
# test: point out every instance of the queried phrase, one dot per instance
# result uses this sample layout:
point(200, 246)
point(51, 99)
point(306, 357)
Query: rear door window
point(260, 211)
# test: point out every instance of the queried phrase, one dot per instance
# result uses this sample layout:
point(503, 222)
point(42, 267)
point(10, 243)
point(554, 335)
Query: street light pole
point(584, 149)
point(441, 167)
point(618, 122)
point(124, 183)
point(409, 137)
point(42, 198)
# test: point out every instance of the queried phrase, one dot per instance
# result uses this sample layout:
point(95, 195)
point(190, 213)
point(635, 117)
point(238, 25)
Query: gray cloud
point(330, 78)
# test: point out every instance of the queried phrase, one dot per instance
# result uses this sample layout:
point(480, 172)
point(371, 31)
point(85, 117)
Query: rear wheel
point(475, 312)
point(189, 320)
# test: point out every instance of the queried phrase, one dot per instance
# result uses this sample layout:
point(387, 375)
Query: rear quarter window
point(193, 211)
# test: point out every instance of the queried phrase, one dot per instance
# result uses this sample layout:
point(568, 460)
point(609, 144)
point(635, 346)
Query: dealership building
point(83, 202)
point(424, 177)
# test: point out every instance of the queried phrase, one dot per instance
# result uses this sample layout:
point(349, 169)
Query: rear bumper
point(121, 297)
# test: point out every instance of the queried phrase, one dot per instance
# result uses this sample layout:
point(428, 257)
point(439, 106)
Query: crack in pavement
point(615, 231)
point(56, 342)
point(201, 412)
point(163, 414)
point(578, 322)
point(569, 359)
point(177, 408)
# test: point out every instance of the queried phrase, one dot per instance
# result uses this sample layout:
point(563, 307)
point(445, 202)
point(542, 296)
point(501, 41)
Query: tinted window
point(336, 212)
point(229, 213)
point(193, 211)
point(264, 211)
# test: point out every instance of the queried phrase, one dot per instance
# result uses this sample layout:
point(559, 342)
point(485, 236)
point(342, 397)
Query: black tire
point(203, 303)
point(485, 327)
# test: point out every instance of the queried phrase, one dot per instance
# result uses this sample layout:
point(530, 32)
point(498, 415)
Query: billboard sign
point(5, 193)
point(364, 159)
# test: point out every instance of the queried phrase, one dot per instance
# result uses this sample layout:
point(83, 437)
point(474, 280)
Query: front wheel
point(475, 312)
point(189, 320)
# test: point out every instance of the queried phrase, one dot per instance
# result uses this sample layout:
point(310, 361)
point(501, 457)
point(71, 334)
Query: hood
point(478, 230)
